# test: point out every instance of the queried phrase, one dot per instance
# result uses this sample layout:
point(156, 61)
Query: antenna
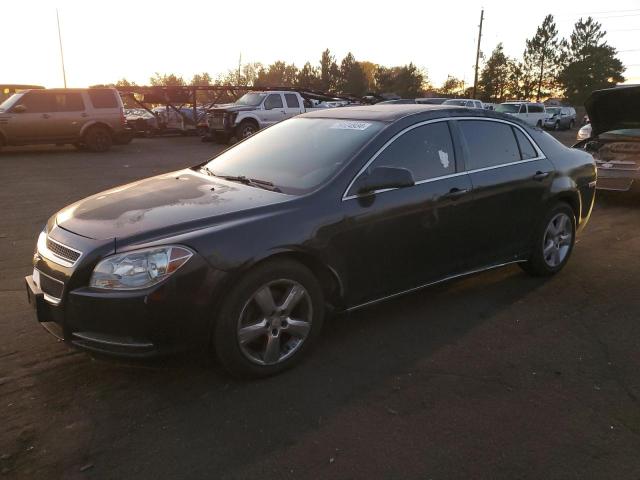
point(64, 75)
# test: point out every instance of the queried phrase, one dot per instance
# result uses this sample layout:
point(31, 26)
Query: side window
point(523, 108)
point(273, 101)
point(37, 102)
point(536, 109)
point(103, 98)
point(426, 151)
point(292, 100)
point(489, 143)
point(526, 149)
point(69, 102)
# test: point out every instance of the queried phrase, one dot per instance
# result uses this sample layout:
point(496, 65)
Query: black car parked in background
point(339, 207)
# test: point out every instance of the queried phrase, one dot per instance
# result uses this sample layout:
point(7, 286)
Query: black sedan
point(336, 209)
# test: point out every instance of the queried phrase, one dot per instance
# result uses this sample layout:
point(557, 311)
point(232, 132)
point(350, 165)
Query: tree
point(451, 86)
point(494, 78)
point(164, 80)
point(309, 77)
point(408, 81)
point(543, 50)
point(352, 78)
point(589, 63)
point(278, 74)
point(329, 72)
point(369, 72)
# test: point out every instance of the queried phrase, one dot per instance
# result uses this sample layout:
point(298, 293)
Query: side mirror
point(19, 109)
point(382, 178)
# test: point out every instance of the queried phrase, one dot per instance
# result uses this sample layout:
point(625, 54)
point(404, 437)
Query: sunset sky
point(105, 41)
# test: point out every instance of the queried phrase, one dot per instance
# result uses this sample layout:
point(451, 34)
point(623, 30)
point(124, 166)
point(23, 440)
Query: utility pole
point(239, 65)
point(64, 75)
point(475, 77)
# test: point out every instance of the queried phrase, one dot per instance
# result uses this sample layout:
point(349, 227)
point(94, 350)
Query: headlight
point(139, 269)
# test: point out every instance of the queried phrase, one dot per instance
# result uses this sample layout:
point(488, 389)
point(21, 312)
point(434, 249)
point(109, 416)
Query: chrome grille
point(63, 251)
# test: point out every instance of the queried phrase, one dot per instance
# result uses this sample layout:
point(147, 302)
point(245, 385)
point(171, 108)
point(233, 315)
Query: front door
point(404, 238)
point(36, 122)
point(510, 179)
point(273, 109)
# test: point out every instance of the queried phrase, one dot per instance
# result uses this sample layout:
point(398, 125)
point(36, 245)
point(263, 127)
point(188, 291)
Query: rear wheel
point(98, 139)
point(553, 242)
point(269, 320)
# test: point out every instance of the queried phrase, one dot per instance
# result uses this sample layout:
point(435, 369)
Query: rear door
point(403, 238)
point(511, 178)
point(273, 109)
point(292, 105)
point(70, 114)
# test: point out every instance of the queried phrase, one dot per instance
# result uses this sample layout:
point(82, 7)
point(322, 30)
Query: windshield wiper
point(253, 182)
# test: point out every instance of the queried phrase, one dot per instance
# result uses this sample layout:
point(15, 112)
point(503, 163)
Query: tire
point(553, 242)
point(572, 124)
point(556, 126)
point(251, 338)
point(98, 139)
point(539, 124)
point(246, 129)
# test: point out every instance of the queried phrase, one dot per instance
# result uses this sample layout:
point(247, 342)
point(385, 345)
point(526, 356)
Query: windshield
point(553, 110)
point(251, 99)
point(508, 108)
point(8, 103)
point(296, 155)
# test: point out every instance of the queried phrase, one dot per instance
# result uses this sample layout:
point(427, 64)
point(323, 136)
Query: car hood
point(614, 109)
point(163, 206)
point(232, 107)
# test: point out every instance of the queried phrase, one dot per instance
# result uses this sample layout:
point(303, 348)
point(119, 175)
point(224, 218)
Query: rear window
point(489, 143)
point(292, 100)
point(103, 98)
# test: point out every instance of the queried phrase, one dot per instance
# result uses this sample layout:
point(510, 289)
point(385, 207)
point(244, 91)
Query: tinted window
point(523, 109)
point(507, 108)
point(102, 98)
point(526, 149)
point(296, 155)
point(426, 151)
point(37, 102)
point(489, 143)
point(536, 109)
point(292, 100)
point(69, 102)
point(273, 101)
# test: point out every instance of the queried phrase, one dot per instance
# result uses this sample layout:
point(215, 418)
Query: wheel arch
point(248, 118)
point(95, 123)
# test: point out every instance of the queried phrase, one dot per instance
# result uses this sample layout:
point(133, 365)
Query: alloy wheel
point(557, 240)
point(275, 322)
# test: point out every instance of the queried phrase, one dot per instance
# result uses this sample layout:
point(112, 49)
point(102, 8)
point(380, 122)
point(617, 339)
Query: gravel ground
point(495, 376)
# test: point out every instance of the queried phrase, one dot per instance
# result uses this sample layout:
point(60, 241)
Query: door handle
point(45, 115)
point(539, 176)
point(456, 193)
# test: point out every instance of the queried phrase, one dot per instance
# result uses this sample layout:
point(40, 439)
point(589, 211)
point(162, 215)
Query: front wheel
point(556, 126)
point(246, 129)
point(271, 317)
point(553, 242)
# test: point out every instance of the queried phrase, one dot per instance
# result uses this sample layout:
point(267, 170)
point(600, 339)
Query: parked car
point(344, 207)
point(464, 102)
point(489, 106)
point(613, 136)
point(259, 109)
point(532, 113)
point(560, 118)
point(399, 101)
point(431, 100)
point(90, 118)
point(141, 121)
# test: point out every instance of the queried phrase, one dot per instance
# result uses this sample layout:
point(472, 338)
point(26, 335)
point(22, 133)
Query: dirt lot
point(495, 376)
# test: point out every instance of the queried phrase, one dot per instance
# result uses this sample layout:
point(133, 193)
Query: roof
point(394, 112)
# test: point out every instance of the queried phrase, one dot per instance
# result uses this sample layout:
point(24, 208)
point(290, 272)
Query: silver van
point(89, 118)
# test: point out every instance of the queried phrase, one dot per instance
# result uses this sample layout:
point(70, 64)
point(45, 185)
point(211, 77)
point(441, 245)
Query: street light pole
point(475, 77)
point(64, 75)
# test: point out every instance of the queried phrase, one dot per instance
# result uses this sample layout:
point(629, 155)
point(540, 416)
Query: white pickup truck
point(256, 110)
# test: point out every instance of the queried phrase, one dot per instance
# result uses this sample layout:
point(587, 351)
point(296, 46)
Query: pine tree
point(544, 50)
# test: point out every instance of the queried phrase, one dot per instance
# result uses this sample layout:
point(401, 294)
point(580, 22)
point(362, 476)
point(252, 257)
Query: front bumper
point(172, 316)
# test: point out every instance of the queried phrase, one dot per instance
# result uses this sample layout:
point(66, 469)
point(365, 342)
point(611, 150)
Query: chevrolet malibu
point(333, 210)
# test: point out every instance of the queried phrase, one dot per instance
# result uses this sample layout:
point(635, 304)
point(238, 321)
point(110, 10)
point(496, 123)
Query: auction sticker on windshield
point(343, 125)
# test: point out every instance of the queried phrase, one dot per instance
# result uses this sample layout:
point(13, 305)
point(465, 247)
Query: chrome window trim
point(50, 255)
point(540, 153)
